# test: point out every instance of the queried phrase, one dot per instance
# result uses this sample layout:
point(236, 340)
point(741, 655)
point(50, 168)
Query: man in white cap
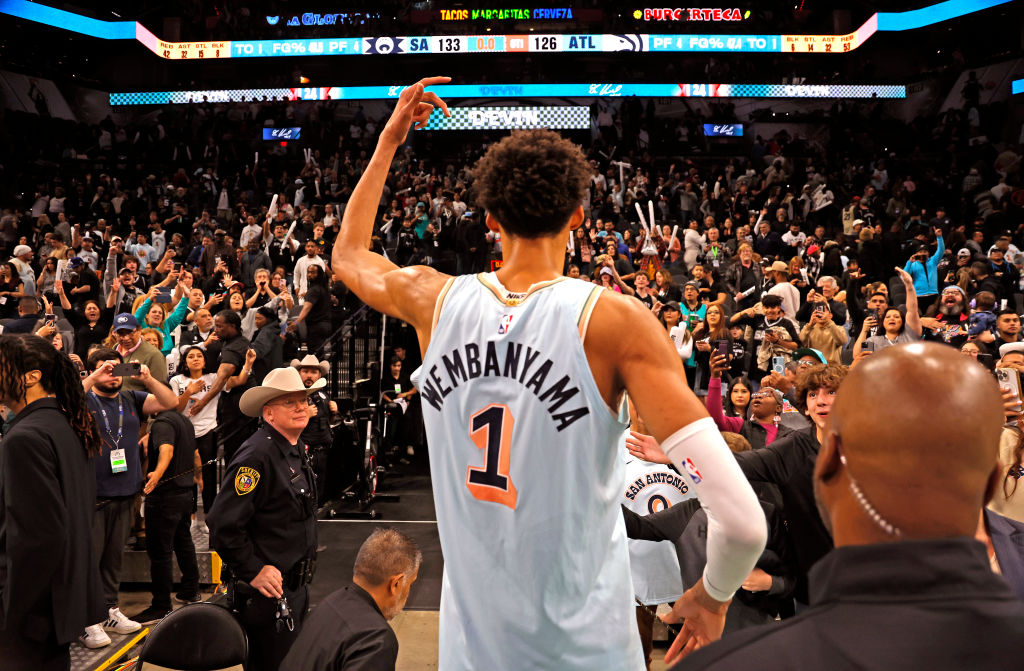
point(317, 436)
point(22, 258)
point(263, 522)
point(785, 290)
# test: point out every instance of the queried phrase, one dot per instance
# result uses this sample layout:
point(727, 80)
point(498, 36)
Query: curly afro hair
point(813, 378)
point(531, 182)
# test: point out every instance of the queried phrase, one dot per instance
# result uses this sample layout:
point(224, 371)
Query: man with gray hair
point(350, 629)
point(826, 291)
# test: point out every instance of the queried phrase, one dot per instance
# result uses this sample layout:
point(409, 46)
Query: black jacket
point(49, 582)
point(345, 632)
point(932, 604)
point(788, 463)
point(686, 525)
point(1008, 542)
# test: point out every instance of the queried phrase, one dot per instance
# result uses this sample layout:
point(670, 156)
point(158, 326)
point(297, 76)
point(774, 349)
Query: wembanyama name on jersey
point(511, 360)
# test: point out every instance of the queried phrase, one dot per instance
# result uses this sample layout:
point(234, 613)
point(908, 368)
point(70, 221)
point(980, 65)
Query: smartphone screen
point(819, 307)
point(50, 319)
point(127, 369)
point(723, 348)
point(1008, 379)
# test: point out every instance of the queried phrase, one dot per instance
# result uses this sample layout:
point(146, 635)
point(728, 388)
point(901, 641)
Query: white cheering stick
point(256, 161)
point(643, 221)
point(572, 241)
point(672, 239)
point(650, 209)
point(271, 213)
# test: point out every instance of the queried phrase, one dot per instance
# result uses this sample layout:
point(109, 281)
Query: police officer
point(317, 436)
point(263, 522)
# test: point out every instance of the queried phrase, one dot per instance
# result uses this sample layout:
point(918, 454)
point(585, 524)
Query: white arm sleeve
point(737, 531)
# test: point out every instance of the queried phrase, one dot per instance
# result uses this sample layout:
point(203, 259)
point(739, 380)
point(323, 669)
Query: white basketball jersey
point(527, 479)
point(653, 564)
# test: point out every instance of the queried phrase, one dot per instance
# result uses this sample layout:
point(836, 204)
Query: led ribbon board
point(468, 44)
point(456, 91)
point(1017, 86)
point(511, 118)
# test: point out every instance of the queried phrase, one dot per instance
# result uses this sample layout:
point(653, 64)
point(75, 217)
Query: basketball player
point(523, 376)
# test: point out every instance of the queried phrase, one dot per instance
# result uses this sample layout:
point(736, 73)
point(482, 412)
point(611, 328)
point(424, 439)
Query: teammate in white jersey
point(519, 591)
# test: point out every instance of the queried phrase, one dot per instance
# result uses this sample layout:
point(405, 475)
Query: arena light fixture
point(530, 91)
point(488, 43)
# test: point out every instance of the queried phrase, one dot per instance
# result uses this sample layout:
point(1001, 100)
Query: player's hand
point(704, 620)
point(414, 107)
point(645, 447)
point(269, 582)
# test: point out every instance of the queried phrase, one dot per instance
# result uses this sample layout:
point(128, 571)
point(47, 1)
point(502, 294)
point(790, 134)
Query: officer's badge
point(246, 480)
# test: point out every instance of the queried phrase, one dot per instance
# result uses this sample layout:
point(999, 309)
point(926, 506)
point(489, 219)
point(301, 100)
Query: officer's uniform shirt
point(318, 432)
point(264, 511)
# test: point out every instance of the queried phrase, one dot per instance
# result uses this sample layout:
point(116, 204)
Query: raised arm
point(737, 530)
point(406, 293)
point(913, 317)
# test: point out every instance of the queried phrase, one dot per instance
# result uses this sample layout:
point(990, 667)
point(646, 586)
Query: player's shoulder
point(615, 306)
point(421, 285)
point(621, 323)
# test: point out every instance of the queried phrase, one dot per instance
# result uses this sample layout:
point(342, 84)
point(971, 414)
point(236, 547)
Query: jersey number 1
point(490, 429)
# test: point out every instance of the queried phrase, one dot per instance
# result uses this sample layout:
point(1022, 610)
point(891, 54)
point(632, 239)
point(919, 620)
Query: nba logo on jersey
point(505, 324)
point(691, 468)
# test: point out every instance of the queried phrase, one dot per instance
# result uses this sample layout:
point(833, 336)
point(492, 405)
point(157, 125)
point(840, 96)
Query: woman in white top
point(191, 385)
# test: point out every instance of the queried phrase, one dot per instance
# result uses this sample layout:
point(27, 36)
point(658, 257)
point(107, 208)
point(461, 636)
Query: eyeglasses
point(298, 404)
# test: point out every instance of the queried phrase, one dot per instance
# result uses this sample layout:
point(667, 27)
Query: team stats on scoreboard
point(911, 19)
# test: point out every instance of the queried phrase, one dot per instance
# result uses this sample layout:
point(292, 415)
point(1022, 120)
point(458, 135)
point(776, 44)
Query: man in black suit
point(906, 586)
point(49, 578)
point(1004, 537)
point(350, 629)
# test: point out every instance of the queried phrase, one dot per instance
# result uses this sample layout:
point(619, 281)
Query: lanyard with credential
point(106, 421)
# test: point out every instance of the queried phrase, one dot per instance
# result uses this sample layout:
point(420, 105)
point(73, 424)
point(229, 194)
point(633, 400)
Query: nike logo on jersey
point(466, 363)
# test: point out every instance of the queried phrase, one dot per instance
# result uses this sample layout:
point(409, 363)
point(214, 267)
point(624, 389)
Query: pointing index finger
point(430, 81)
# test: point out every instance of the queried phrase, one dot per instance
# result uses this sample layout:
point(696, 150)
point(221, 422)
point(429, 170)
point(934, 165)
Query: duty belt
point(300, 574)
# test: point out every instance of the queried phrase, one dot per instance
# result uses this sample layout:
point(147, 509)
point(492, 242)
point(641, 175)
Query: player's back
point(527, 478)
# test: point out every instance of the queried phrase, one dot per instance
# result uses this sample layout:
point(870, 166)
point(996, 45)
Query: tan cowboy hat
point(780, 267)
point(278, 382)
point(310, 361)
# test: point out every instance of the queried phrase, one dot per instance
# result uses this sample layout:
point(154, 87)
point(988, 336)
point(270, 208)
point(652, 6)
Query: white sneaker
point(94, 637)
point(120, 623)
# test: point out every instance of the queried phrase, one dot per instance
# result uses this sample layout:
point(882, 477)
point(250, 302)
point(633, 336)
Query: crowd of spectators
point(771, 272)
